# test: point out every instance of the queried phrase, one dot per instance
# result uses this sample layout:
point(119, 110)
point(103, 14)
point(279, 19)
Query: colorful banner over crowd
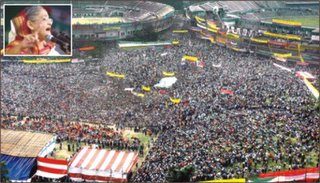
point(135, 44)
point(145, 88)
point(284, 36)
point(111, 74)
point(212, 25)
point(199, 19)
point(45, 61)
point(280, 59)
point(231, 35)
point(282, 55)
point(137, 94)
point(180, 31)
point(175, 101)
point(190, 58)
point(306, 174)
point(259, 40)
point(238, 49)
point(286, 23)
point(278, 43)
point(207, 28)
point(175, 42)
point(168, 74)
point(226, 91)
point(88, 48)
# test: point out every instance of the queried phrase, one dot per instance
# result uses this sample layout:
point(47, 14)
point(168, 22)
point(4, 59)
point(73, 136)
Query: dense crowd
point(265, 123)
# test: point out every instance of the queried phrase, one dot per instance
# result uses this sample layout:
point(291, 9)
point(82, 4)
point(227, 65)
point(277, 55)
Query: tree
point(180, 175)
point(3, 172)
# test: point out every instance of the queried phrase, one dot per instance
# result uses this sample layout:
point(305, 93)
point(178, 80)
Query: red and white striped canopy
point(102, 165)
point(52, 168)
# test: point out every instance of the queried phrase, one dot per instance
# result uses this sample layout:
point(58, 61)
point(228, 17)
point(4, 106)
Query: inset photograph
point(39, 29)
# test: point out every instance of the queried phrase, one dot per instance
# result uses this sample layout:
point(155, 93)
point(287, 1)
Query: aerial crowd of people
point(265, 122)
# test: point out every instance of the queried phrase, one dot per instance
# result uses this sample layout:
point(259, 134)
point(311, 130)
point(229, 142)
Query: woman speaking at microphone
point(32, 27)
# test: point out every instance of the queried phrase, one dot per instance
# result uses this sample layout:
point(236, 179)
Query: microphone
point(61, 35)
point(56, 40)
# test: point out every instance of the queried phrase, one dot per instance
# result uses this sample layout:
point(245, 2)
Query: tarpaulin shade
point(20, 168)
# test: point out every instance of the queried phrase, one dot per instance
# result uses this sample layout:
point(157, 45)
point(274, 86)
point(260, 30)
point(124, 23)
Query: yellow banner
point(227, 180)
point(301, 58)
point(212, 25)
point(286, 22)
point(168, 73)
point(145, 88)
point(284, 36)
point(233, 35)
point(259, 40)
point(213, 30)
point(282, 55)
point(190, 58)
point(175, 42)
point(180, 31)
point(235, 49)
point(313, 90)
point(199, 19)
point(44, 61)
point(280, 59)
point(138, 94)
point(115, 75)
point(111, 28)
point(175, 101)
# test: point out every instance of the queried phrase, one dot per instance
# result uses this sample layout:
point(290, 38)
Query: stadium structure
point(114, 20)
point(258, 27)
point(120, 19)
point(261, 27)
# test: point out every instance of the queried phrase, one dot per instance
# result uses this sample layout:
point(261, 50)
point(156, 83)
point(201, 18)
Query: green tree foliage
point(180, 174)
point(3, 172)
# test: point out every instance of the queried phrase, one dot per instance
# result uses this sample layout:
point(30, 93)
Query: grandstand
point(252, 18)
point(114, 20)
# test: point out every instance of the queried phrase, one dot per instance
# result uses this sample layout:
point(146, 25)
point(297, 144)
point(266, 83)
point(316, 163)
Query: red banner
point(290, 172)
point(276, 43)
point(88, 48)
